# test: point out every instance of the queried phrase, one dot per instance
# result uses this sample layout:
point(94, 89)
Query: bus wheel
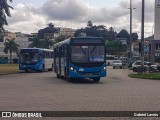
point(58, 76)
point(52, 67)
point(26, 71)
point(96, 79)
point(70, 79)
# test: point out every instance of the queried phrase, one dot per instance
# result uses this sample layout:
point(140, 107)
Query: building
point(154, 45)
point(154, 51)
point(9, 35)
point(51, 35)
point(68, 32)
point(156, 20)
point(20, 39)
point(135, 50)
point(122, 40)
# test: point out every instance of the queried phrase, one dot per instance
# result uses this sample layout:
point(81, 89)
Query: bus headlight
point(104, 68)
point(71, 68)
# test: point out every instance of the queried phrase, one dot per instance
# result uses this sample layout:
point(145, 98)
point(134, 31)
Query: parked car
point(125, 62)
point(118, 63)
point(147, 65)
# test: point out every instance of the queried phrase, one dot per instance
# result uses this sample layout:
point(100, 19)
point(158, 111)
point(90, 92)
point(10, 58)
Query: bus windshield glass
point(87, 54)
point(29, 57)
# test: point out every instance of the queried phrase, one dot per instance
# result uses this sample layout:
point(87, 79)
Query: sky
point(29, 16)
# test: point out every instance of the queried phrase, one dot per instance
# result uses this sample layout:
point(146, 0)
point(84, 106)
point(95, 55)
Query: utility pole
point(130, 39)
point(142, 36)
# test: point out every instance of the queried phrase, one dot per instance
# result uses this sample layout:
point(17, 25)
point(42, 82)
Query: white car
point(137, 64)
point(117, 63)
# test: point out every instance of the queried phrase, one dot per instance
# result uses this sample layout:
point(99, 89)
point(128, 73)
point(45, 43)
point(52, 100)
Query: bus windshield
point(29, 57)
point(87, 54)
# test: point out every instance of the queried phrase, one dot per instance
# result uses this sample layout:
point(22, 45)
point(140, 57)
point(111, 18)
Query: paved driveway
point(44, 92)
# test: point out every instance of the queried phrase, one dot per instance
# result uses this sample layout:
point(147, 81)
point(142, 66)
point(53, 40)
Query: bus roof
point(36, 49)
point(67, 41)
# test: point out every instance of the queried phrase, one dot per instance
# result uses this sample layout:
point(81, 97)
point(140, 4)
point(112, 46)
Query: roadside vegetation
point(8, 69)
point(154, 76)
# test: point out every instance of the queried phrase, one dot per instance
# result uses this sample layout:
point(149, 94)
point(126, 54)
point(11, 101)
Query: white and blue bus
point(36, 59)
point(81, 57)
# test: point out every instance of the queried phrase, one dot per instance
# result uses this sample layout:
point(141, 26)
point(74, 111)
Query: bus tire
point(96, 79)
point(134, 69)
point(52, 67)
point(69, 79)
point(58, 76)
point(26, 71)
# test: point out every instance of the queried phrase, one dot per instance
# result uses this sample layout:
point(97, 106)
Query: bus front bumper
point(29, 67)
point(74, 74)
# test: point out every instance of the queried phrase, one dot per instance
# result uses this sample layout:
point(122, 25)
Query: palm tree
point(35, 42)
point(11, 47)
point(47, 43)
point(89, 23)
point(4, 10)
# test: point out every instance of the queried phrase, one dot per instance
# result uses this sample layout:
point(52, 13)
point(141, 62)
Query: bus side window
point(40, 56)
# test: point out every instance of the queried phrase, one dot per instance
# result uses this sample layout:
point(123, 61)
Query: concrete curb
point(8, 73)
point(130, 75)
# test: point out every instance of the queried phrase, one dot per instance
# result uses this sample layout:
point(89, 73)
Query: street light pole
point(130, 39)
point(142, 35)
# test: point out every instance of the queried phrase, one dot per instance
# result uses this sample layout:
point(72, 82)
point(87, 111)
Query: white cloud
point(76, 13)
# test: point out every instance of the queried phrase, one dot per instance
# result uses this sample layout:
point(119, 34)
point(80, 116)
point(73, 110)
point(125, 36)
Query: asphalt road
point(44, 92)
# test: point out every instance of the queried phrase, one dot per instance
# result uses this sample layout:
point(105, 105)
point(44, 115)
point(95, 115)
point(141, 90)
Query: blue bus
point(36, 59)
point(81, 57)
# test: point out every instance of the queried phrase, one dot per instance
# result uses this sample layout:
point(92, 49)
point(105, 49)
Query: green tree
point(124, 34)
point(111, 34)
point(41, 43)
point(4, 11)
point(35, 42)
point(89, 23)
point(47, 43)
point(97, 31)
point(51, 27)
point(115, 48)
point(134, 36)
point(60, 38)
point(11, 47)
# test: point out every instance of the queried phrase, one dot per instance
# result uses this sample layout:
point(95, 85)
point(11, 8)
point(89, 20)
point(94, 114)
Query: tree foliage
point(4, 11)
point(134, 36)
point(49, 29)
point(115, 47)
point(124, 34)
point(11, 47)
point(60, 38)
point(149, 37)
point(96, 31)
point(89, 23)
point(41, 43)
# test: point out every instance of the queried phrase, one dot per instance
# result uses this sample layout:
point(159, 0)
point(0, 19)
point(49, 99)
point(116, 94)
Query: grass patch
point(155, 76)
point(9, 68)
